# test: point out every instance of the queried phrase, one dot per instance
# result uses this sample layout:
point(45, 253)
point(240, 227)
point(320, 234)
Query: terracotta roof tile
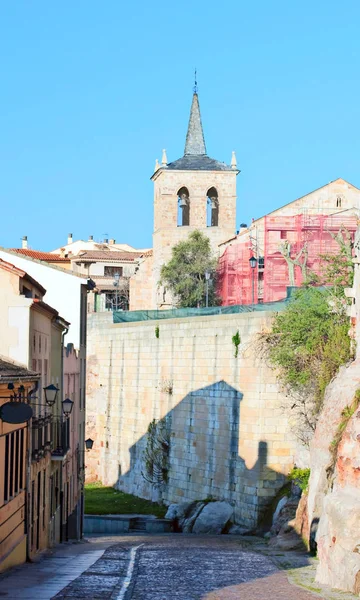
point(110, 255)
point(45, 256)
point(10, 370)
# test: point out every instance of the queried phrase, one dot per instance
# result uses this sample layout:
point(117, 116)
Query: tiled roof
point(10, 371)
point(198, 162)
point(45, 256)
point(109, 255)
point(195, 141)
point(195, 157)
point(20, 273)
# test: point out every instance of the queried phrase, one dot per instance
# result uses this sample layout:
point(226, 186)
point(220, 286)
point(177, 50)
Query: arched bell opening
point(212, 211)
point(183, 207)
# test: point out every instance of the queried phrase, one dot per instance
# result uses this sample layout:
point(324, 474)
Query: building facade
point(14, 464)
point(33, 334)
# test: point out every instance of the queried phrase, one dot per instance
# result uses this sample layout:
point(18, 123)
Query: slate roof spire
point(195, 142)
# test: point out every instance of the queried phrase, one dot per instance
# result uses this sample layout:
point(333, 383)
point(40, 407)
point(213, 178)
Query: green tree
point(309, 340)
point(184, 274)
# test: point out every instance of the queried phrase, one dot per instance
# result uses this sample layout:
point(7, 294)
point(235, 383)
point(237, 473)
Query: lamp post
point(207, 277)
point(253, 263)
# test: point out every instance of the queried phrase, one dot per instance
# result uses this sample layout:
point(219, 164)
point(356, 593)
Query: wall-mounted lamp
point(51, 392)
point(89, 444)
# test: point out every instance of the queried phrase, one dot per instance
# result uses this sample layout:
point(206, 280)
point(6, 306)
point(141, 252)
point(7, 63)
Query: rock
point(339, 394)
point(178, 511)
point(213, 518)
point(172, 512)
point(286, 513)
point(237, 530)
point(302, 520)
point(338, 537)
point(290, 525)
point(192, 515)
point(279, 507)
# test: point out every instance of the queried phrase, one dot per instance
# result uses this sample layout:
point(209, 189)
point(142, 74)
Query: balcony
point(60, 439)
point(40, 437)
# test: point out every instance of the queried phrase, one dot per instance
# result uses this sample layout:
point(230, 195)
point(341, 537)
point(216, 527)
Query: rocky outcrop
point(201, 517)
point(334, 490)
point(338, 535)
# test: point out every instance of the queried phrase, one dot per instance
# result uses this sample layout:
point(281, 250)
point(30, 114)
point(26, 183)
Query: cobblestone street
point(152, 568)
point(162, 567)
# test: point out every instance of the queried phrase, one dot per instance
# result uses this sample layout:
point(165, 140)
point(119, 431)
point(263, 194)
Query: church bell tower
point(193, 192)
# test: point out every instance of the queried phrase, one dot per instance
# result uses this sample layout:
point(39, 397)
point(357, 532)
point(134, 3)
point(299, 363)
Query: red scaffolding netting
point(290, 248)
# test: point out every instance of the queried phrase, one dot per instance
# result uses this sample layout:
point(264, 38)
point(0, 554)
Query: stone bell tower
point(193, 192)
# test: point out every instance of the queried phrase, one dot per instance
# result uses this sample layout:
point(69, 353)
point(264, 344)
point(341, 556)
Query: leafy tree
point(309, 340)
point(184, 274)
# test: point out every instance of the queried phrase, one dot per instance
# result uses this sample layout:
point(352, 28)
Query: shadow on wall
point(204, 460)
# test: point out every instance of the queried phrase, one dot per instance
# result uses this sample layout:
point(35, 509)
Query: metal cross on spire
point(195, 86)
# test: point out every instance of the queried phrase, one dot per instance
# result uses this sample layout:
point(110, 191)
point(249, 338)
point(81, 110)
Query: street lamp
point(51, 392)
point(89, 444)
point(253, 263)
point(67, 406)
point(207, 277)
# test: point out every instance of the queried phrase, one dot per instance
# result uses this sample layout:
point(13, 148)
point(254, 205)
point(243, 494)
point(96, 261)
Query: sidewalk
point(54, 570)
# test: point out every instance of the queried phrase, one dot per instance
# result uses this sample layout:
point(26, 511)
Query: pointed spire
point(195, 142)
point(157, 166)
point(164, 158)
point(233, 160)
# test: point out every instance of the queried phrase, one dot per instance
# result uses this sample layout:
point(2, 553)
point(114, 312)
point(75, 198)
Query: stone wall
point(230, 436)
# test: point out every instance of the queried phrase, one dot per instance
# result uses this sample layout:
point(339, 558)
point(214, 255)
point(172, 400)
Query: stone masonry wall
point(230, 437)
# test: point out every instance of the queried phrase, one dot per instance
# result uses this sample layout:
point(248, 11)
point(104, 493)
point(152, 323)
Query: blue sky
point(92, 91)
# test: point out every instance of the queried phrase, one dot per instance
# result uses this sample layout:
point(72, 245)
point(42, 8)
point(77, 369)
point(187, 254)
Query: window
point(338, 202)
point(212, 214)
point(6, 470)
point(183, 207)
point(112, 271)
point(27, 293)
point(12, 464)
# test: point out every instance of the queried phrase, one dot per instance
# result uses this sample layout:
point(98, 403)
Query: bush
point(300, 477)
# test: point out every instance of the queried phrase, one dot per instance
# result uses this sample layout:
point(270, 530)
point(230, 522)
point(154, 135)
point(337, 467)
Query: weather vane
point(195, 86)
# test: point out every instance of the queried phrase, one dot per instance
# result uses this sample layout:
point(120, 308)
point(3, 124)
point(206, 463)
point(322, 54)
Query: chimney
point(62, 252)
point(70, 238)
point(112, 242)
point(24, 242)
point(106, 240)
point(243, 226)
point(91, 238)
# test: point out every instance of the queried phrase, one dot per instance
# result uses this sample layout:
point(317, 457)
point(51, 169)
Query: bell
point(213, 203)
point(182, 202)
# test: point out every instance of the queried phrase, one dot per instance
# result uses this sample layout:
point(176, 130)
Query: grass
point(102, 500)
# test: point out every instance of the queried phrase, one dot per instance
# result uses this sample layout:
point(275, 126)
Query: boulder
point(213, 518)
point(178, 511)
point(188, 522)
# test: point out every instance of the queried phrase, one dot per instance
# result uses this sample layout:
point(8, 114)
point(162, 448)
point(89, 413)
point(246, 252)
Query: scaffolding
point(293, 248)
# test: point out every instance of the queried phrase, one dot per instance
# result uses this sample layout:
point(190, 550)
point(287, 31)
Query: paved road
point(182, 567)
